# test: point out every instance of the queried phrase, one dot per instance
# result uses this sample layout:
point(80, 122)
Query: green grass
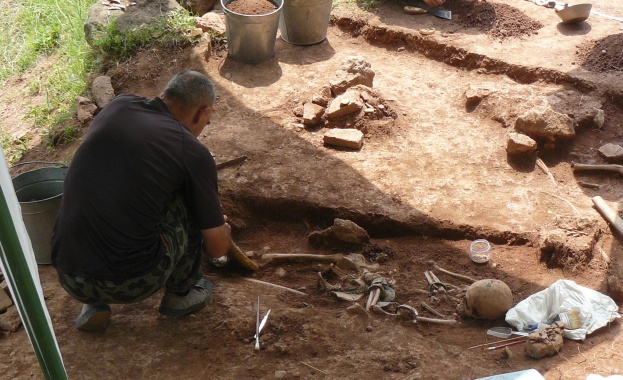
point(34, 30)
point(115, 45)
point(364, 4)
point(31, 29)
point(14, 148)
point(52, 30)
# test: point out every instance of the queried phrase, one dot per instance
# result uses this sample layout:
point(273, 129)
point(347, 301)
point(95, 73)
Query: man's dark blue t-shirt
point(135, 158)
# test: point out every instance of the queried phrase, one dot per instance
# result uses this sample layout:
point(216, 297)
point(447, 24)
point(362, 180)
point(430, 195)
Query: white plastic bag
point(595, 309)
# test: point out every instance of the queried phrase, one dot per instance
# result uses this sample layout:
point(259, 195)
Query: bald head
point(190, 90)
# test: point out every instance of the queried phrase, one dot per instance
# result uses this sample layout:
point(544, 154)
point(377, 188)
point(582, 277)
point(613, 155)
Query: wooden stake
point(609, 214)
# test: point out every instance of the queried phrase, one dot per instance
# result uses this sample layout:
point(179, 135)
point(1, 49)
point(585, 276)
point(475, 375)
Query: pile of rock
point(103, 93)
point(537, 123)
point(348, 107)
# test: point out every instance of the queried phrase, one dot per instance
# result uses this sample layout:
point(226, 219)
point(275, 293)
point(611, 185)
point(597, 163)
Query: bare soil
point(424, 185)
point(498, 20)
point(251, 7)
point(603, 55)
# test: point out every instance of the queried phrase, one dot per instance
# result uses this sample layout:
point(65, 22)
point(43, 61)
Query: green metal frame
point(25, 295)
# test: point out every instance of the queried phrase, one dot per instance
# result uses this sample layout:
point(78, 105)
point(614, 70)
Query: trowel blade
point(447, 15)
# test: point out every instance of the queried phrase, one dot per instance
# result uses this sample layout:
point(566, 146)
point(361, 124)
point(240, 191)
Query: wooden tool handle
point(239, 256)
point(609, 167)
point(413, 10)
point(609, 214)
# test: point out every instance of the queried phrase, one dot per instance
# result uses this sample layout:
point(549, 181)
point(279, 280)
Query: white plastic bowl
point(574, 13)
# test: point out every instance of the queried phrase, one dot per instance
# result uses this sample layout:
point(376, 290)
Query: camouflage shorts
point(179, 269)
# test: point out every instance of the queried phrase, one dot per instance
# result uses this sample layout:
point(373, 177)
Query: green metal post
point(24, 290)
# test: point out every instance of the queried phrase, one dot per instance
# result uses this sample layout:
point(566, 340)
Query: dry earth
point(423, 186)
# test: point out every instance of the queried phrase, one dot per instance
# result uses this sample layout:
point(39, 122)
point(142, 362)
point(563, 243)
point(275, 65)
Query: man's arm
point(216, 240)
point(434, 3)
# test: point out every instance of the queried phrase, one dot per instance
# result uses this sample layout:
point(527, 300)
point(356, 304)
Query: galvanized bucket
point(305, 22)
point(39, 193)
point(251, 38)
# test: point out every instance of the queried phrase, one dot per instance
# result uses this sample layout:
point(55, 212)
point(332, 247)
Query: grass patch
point(32, 31)
point(364, 4)
point(35, 30)
point(13, 149)
point(117, 46)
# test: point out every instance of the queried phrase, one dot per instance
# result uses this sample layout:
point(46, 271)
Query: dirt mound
point(497, 20)
point(602, 55)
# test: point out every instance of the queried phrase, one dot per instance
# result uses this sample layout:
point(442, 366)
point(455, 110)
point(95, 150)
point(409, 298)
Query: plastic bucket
point(251, 38)
point(305, 22)
point(39, 193)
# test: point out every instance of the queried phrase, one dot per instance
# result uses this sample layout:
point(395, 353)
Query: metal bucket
point(305, 22)
point(39, 193)
point(251, 38)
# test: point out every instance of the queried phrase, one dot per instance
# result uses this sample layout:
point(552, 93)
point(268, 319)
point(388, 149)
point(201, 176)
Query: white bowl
point(574, 13)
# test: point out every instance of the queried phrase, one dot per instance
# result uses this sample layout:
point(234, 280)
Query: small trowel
point(413, 7)
point(447, 15)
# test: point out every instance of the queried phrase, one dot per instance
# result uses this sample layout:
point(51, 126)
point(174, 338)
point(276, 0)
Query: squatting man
point(140, 205)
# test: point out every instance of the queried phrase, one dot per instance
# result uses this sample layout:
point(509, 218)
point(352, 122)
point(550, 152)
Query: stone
point(545, 342)
point(198, 7)
point(143, 12)
point(599, 118)
point(569, 241)
point(5, 301)
point(520, 144)
point(102, 90)
point(320, 100)
point(203, 50)
point(349, 232)
point(347, 138)
point(280, 374)
point(353, 71)
point(296, 126)
point(325, 92)
point(476, 93)
point(584, 109)
point(212, 22)
point(356, 309)
point(345, 104)
point(86, 110)
point(10, 320)
point(612, 152)
point(312, 113)
point(298, 111)
point(615, 287)
point(545, 123)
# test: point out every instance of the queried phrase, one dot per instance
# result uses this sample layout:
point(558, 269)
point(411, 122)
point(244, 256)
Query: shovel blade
point(500, 332)
point(446, 15)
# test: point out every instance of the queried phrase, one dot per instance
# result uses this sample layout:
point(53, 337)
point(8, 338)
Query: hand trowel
point(505, 332)
point(447, 15)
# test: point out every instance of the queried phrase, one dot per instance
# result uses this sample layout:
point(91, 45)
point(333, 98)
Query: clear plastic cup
point(480, 251)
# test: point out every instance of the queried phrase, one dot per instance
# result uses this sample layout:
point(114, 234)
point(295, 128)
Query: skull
point(489, 299)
